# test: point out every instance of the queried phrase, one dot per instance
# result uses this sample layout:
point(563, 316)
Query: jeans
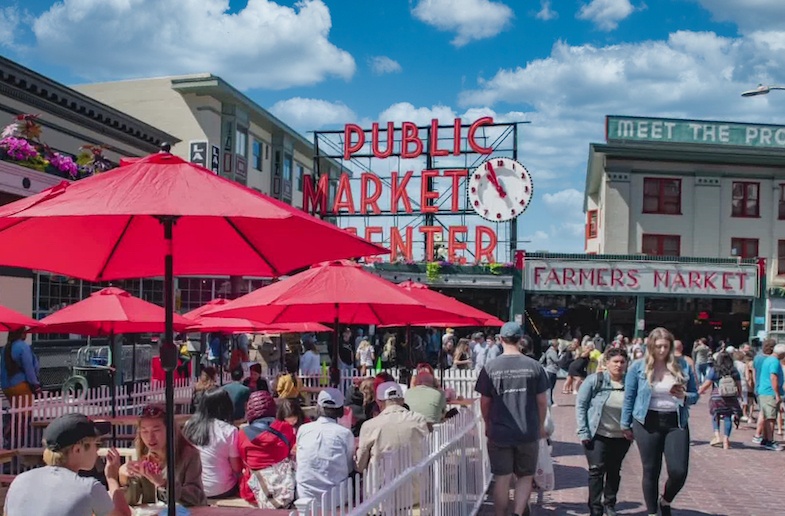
point(552, 377)
point(604, 455)
point(703, 369)
point(728, 419)
point(661, 436)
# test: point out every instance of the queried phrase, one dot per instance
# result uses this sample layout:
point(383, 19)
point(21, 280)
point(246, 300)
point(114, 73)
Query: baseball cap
point(389, 391)
point(330, 398)
point(511, 330)
point(69, 429)
point(478, 335)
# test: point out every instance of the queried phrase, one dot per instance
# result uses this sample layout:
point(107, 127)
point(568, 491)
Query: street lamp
point(761, 90)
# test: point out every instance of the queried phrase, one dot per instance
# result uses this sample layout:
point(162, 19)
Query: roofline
point(638, 258)
point(47, 94)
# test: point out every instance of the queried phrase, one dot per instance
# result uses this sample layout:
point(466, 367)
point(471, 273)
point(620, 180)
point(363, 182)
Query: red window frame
point(745, 199)
point(780, 257)
point(658, 244)
point(746, 247)
point(592, 224)
point(660, 202)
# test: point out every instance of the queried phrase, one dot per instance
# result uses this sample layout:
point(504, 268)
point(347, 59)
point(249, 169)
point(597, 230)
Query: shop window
point(781, 257)
point(744, 247)
point(592, 222)
point(662, 196)
point(661, 245)
point(777, 322)
point(746, 199)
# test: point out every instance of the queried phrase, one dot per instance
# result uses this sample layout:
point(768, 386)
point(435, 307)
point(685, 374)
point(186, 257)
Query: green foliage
point(433, 271)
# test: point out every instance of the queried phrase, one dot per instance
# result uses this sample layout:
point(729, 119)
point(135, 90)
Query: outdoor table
point(7, 456)
point(466, 402)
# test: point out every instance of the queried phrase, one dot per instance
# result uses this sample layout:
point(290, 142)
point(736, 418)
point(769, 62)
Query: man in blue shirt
point(767, 348)
point(770, 395)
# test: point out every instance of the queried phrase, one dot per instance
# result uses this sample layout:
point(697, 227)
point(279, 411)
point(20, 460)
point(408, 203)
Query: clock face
point(500, 189)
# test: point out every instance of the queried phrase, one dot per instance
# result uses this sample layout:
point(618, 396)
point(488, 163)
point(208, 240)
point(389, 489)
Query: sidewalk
point(742, 481)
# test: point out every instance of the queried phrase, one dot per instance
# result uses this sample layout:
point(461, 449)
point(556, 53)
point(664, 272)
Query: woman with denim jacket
point(598, 412)
point(658, 391)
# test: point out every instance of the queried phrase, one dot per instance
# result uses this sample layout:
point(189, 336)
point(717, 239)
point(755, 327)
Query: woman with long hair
point(658, 390)
point(598, 413)
point(211, 431)
point(460, 357)
point(365, 356)
point(206, 382)
point(724, 382)
point(289, 385)
point(146, 478)
point(19, 368)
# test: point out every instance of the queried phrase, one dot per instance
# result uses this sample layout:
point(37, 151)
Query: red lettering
point(708, 281)
point(352, 230)
point(375, 140)
point(456, 176)
point(429, 232)
point(586, 277)
point(569, 276)
point(617, 277)
point(476, 147)
point(370, 231)
point(397, 243)
point(601, 277)
point(537, 272)
point(409, 135)
point(433, 140)
point(454, 244)
point(633, 276)
point(350, 148)
point(742, 280)
point(481, 251)
point(315, 199)
point(553, 277)
point(344, 190)
point(370, 200)
point(426, 194)
point(398, 192)
point(695, 280)
point(726, 280)
point(661, 278)
point(456, 137)
point(678, 281)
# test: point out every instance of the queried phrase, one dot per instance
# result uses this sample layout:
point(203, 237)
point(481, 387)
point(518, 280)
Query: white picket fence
point(447, 474)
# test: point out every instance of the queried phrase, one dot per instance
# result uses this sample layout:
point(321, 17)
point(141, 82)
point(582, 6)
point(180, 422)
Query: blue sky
point(562, 65)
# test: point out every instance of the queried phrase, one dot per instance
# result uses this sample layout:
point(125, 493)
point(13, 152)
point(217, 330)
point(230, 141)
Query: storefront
point(587, 294)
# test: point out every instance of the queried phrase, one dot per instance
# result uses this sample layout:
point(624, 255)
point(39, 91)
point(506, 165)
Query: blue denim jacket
point(637, 394)
point(592, 396)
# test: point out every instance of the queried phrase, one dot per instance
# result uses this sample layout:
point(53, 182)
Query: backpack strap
point(254, 430)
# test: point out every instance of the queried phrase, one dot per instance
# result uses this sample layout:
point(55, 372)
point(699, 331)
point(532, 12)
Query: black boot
point(665, 510)
point(610, 510)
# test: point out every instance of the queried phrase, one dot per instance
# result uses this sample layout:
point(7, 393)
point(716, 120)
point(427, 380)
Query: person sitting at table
point(255, 381)
point(325, 451)
point(238, 393)
point(425, 399)
point(71, 445)
point(264, 443)
point(380, 378)
point(207, 381)
point(290, 410)
point(146, 478)
point(211, 431)
point(289, 385)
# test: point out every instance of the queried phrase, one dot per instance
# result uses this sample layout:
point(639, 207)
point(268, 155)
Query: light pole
point(761, 90)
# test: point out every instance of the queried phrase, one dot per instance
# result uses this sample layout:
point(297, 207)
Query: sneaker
point(773, 446)
point(610, 511)
point(757, 440)
point(554, 405)
point(744, 419)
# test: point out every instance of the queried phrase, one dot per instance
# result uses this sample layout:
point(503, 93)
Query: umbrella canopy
point(13, 320)
point(338, 291)
point(234, 325)
point(433, 299)
point(109, 226)
point(110, 311)
point(212, 305)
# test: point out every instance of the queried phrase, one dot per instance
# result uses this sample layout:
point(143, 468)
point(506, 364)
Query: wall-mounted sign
point(198, 153)
point(215, 159)
point(704, 132)
point(641, 278)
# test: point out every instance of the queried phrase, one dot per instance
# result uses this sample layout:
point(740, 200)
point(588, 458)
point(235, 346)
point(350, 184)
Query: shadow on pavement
point(566, 449)
point(568, 477)
point(575, 509)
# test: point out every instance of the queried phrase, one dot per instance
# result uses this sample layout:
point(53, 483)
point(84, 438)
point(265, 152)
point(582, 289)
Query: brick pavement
point(720, 482)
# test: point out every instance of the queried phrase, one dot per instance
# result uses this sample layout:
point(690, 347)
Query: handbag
point(544, 477)
point(274, 486)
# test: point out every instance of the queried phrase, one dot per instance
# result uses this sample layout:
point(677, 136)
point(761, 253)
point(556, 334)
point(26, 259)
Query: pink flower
point(18, 149)
point(64, 164)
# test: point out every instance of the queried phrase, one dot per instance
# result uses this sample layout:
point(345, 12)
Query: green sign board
point(704, 132)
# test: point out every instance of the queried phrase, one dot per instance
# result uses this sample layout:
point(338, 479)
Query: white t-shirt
point(661, 398)
point(217, 474)
point(55, 491)
point(366, 356)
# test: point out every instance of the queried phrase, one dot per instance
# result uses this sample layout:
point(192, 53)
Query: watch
point(500, 189)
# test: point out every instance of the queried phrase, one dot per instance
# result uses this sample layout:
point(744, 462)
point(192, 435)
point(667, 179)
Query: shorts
point(768, 406)
point(520, 459)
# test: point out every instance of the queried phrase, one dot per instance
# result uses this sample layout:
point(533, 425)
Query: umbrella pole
point(336, 342)
point(113, 384)
point(168, 354)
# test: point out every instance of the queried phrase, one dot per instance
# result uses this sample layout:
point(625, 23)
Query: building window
point(662, 196)
point(777, 322)
point(300, 174)
point(781, 257)
point(746, 201)
point(744, 247)
point(591, 224)
point(241, 147)
point(661, 245)
point(257, 155)
point(287, 167)
point(782, 202)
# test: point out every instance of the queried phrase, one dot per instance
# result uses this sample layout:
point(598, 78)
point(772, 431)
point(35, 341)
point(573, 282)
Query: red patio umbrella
point(433, 299)
point(143, 219)
point(234, 325)
point(13, 320)
point(212, 305)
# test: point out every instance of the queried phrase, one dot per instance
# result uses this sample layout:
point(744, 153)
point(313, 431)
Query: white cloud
point(9, 23)
point(263, 45)
point(606, 14)
point(546, 13)
point(469, 19)
point(406, 112)
point(381, 65)
point(748, 15)
point(563, 199)
point(310, 114)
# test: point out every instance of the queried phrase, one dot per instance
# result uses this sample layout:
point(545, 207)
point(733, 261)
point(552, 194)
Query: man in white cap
point(395, 427)
point(325, 451)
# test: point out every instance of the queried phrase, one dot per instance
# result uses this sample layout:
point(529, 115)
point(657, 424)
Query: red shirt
point(264, 451)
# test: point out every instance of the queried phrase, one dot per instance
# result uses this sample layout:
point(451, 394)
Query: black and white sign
point(215, 159)
point(198, 153)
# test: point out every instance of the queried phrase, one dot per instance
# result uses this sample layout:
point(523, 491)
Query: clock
point(500, 189)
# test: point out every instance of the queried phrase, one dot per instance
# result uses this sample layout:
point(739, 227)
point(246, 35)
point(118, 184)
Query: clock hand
point(494, 180)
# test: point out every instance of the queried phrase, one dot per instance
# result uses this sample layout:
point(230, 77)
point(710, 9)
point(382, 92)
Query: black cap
point(69, 429)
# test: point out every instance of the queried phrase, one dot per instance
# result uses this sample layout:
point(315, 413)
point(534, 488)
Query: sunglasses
point(153, 411)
